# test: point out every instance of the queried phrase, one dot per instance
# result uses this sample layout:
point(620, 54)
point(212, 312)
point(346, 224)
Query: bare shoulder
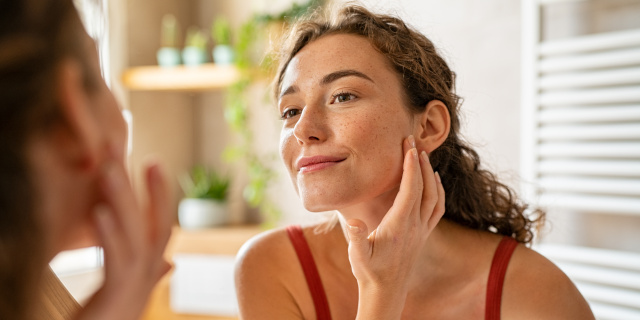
point(273, 249)
point(535, 288)
point(261, 286)
point(266, 250)
point(269, 279)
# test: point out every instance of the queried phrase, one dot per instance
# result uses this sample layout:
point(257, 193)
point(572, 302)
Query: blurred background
point(551, 94)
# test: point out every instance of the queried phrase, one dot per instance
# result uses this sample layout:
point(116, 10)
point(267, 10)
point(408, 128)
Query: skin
point(416, 270)
point(85, 195)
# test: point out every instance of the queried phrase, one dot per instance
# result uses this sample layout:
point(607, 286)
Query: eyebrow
point(331, 77)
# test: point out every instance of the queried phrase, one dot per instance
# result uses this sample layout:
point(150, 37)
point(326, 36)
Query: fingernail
point(424, 155)
point(353, 228)
point(412, 141)
point(414, 151)
point(438, 177)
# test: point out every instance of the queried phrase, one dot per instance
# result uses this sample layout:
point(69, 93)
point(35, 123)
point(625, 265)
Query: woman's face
point(107, 114)
point(104, 104)
point(108, 125)
point(344, 120)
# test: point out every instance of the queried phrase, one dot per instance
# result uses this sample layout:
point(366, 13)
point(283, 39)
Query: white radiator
point(581, 148)
point(583, 116)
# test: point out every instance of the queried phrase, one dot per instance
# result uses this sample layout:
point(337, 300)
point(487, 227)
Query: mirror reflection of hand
point(382, 260)
point(133, 240)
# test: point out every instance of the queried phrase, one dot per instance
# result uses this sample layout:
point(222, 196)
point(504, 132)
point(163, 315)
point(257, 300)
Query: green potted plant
point(205, 203)
point(195, 50)
point(221, 33)
point(169, 55)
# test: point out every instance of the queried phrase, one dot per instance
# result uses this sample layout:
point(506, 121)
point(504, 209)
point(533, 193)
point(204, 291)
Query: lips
point(308, 164)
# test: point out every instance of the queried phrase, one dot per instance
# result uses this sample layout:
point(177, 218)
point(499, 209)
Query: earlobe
point(435, 124)
point(82, 142)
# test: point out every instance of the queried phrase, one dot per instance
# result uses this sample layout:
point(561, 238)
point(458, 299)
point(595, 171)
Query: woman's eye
point(343, 97)
point(289, 113)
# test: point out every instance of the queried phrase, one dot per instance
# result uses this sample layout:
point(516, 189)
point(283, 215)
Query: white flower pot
point(223, 54)
point(193, 56)
point(201, 213)
point(168, 57)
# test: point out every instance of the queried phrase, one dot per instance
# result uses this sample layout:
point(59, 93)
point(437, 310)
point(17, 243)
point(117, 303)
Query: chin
point(317, 207)
point(321, 201)
point(316, 204)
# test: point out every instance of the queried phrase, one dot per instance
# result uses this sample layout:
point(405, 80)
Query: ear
point(433, 127)
point(78, 127)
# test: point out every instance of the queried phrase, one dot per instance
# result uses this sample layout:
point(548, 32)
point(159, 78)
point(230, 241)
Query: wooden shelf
point(179, 78)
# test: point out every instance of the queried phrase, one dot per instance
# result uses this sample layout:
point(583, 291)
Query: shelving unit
point(179, 78)
point(214, 241)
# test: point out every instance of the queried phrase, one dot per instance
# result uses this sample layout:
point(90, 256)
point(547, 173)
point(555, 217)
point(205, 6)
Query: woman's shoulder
point(267, 266)
point(273, 246)
point(536, 287)
point(265, 245)
point(266, 257)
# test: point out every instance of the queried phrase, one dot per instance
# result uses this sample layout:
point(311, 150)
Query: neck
point(440, 258)
point(370, 212)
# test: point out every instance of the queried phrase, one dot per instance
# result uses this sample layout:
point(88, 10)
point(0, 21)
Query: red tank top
point(494, 284)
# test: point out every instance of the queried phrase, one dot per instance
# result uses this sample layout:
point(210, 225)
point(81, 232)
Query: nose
point(310, 127)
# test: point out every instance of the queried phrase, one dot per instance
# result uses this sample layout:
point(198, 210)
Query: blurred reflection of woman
point(368, 109)
point(62, 176)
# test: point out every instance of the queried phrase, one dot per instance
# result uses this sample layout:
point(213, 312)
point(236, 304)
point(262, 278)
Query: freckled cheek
point(287, 148)
point(371, 138)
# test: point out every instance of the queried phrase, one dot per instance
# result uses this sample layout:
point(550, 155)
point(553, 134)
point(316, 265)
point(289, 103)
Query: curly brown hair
point(474, 196)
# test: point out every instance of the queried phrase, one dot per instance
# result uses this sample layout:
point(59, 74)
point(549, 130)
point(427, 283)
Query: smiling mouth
point(311, 164)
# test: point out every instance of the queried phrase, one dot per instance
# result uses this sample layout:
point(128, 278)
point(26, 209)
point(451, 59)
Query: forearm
point(380, 304)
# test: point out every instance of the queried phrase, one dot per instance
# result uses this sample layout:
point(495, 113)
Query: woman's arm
point(382, 260)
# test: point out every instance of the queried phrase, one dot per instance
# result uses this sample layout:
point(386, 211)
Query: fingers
point(359, 244)
point(110, 237)
point(120, 199)
point(410, 186)
point(430, 191)
point(407, 144)
point(164, 267)
point(158, 208)
point(439, 210)
point(133, 240)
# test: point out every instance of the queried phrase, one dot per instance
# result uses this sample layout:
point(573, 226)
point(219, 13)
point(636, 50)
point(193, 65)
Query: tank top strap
point(310, 272)
point(495, 283)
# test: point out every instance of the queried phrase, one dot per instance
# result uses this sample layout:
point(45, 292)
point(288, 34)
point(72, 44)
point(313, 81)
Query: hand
point(383, 260)
point(133, 240)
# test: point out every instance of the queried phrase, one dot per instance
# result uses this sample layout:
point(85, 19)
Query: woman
point(63, 180)
point(368, 109)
